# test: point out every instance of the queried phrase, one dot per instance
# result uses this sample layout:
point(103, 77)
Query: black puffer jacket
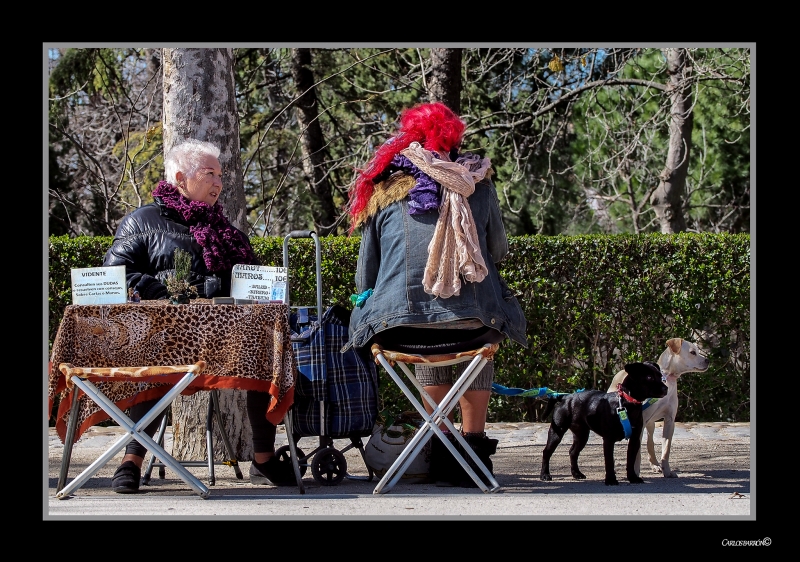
point(145, 242)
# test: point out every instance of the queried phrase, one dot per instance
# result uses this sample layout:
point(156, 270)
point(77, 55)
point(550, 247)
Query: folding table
point(244, 347)
point(478, 359)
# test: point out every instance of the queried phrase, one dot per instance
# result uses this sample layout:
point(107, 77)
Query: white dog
point(679, 358)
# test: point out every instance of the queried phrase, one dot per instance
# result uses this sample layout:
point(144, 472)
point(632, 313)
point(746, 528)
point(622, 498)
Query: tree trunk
point(312, 143)
point(445, 82)
point(200, 102)
point(667, 198)
point(189, 415)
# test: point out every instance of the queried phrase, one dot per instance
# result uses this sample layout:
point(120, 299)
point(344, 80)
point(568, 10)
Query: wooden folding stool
point(82, 378)
point(478, 359)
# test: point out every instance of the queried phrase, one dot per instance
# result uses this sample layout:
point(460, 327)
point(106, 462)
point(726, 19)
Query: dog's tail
point(551, 403)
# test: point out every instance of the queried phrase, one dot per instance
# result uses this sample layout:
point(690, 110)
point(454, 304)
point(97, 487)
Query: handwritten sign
point(260, 283)
point(99, 285)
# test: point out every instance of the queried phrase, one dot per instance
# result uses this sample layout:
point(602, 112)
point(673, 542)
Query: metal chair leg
point(210, 439)
point(152, 462)
point(66, 456)
point(287, 423)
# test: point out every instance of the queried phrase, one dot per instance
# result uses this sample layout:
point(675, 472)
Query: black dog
point(601, 412)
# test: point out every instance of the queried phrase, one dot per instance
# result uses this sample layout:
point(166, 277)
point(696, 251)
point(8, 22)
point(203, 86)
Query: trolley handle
point(318, 253)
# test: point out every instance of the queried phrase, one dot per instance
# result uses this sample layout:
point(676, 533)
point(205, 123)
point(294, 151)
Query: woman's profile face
point(206, 184)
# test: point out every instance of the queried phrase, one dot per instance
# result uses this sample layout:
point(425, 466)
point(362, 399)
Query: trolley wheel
point(284, 454)
point(329, 467)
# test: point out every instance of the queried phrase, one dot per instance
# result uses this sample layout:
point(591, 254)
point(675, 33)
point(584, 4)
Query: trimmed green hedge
point(593, 303)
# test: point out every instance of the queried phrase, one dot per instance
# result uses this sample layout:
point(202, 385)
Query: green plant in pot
point(177, 282)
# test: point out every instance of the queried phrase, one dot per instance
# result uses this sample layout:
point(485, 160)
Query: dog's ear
point(673, 349)
point(674, 344)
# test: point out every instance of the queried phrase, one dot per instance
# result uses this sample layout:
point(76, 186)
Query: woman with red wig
point(427, 280)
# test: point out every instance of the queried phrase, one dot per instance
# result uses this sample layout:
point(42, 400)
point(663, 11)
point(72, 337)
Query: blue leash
point(544, 391)
point(530, 393)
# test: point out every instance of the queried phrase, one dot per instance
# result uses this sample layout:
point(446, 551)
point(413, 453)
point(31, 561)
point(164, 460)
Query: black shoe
point(444, 468)
point(483, 447)
point(272, 473)
point(126, 479)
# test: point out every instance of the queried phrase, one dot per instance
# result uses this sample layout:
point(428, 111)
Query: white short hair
point(185, 157)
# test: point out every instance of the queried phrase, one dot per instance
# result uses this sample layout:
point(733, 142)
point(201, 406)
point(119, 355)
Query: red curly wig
point(433, 125)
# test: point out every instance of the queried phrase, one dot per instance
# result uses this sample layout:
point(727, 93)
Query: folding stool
point(478, 359)
point(81, 377)
point(214, 413)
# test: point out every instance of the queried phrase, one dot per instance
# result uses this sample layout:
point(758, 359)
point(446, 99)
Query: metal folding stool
point(214, 413)
point(81, 377)
point(478, 359)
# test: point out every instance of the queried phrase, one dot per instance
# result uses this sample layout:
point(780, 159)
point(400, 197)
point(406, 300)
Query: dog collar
point(649, 402)
point(626, 396)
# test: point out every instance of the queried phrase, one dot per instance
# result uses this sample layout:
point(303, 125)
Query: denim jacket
point(391, 261)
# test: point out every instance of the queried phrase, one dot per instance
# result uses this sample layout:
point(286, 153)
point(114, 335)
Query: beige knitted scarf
point(454, 249)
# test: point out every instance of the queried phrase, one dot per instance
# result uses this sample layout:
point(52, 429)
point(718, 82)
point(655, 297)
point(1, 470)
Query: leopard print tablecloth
point(245, 346)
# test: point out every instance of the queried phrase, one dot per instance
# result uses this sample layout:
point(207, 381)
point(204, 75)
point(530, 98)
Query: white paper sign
point(258, 282)
point(99, 285)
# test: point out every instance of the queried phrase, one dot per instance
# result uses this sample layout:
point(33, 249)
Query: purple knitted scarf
point(223, 245)
point(425, 194)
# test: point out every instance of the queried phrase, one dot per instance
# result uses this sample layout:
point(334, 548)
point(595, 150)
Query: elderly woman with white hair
point(186, 214)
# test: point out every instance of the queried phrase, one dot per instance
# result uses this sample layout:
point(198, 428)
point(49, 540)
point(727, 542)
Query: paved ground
point(713, 462)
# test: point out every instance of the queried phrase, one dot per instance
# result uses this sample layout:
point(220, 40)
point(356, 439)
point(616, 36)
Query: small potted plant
point(180, 291)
